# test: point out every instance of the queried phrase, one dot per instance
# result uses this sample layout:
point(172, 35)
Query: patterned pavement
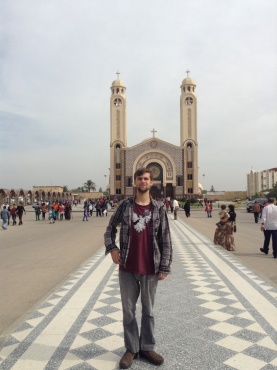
point(211, 313)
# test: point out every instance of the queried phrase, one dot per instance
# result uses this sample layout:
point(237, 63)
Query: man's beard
point(144, 190)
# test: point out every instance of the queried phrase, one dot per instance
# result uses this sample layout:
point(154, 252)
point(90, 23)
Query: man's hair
point(270, 200)
point(141, 171)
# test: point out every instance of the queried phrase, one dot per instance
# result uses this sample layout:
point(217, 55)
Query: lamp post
point(203, 181)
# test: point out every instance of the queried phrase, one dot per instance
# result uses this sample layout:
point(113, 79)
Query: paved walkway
point(211, 313)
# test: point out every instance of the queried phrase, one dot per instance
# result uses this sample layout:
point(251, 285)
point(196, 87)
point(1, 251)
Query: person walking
point(85, 216)
point(256, 209)
point(98, 209)
point(269, 227)
point(175, 204)
point(20, 209)
point(187, 208)
point(209, 209)
point(61, 210)
point(144, 257)
point(43, 210)
point(13, 214)
point(37, 211)
point(5, 214)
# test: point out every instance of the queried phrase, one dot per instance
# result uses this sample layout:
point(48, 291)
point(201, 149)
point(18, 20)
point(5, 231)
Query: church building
point(175, 168)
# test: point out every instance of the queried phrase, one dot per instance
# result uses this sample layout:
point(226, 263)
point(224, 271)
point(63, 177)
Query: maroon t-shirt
point(140, 259)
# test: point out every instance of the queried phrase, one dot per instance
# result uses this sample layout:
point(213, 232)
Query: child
point(52, 216)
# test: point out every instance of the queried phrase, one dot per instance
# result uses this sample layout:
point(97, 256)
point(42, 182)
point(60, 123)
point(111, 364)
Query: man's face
point(143, 183)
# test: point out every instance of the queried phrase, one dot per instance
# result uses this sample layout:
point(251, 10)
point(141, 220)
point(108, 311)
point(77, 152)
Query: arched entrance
point(157, 190)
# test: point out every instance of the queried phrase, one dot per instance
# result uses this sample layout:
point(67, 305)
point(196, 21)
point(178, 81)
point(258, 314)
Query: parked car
point(262, 201)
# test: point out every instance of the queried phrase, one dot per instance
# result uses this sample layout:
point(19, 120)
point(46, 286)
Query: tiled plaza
point(211, 313)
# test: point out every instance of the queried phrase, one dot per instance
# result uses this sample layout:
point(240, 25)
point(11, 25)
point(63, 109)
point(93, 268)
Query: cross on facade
point(153, 132)
point(118, 73)
point(187, 72)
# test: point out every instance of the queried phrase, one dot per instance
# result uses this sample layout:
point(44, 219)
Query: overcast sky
point(59, 58)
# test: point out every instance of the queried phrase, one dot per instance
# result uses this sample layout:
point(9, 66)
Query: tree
point(100, 190)
point(65, 189)
point(212, 188)
point(89, 185)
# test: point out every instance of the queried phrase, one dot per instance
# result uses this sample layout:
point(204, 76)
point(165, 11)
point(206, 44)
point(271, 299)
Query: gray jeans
point(131, 286)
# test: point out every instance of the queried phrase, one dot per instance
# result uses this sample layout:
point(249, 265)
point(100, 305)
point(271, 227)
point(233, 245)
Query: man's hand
point(116, 257)
point(162, 276)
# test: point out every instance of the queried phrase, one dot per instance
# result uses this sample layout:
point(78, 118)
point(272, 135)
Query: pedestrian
point(85, 217)
point(67, 211)
point(56, 209)
point(90, 207)
point(8, 208)
point(256, 209)
point(20, 209)
point(13, 214)
point(5, 214)
point(175, 205)
point(43, 210)
point(37, 211)
point(209, 209)
point(224, 232)
point(232, 216)
point(105, 209)
point(52, 216)
point(187, 208)
point(144, 257)
point(61, 210)
point(98, 209)
point(269, 227)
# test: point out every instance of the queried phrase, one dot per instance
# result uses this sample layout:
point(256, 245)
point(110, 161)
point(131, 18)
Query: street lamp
point(203, 181)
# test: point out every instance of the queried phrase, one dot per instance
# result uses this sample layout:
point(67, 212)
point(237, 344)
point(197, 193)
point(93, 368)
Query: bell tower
point(188, 135)
point(118, 136)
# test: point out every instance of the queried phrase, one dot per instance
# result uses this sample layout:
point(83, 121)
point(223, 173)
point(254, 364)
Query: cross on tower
point(118, 73)
point(187, 72)
point(153, 132)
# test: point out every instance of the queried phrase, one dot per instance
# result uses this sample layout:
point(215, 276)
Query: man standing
point(269, 227)
point(175, 208)
point(144, 257)
point(256, 209)
point(5, 214)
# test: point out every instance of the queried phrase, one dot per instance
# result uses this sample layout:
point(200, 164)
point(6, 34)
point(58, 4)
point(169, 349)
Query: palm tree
point(89, 185)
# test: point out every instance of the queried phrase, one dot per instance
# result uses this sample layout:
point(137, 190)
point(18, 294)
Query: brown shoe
point(127, 359)
point(152, 357)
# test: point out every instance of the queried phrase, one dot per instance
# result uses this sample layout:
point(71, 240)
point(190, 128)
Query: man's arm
point(110, 234)
point(165, 244)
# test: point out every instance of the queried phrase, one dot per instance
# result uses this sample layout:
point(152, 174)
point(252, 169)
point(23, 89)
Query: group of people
point(13, 212)
point(100, 206)
point(56, 211)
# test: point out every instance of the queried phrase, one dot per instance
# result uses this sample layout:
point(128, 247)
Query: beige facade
point(175, 168)
point(258, 182)
point(47, 189)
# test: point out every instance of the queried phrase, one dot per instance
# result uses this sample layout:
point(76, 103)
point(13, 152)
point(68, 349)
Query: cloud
point(58, 60)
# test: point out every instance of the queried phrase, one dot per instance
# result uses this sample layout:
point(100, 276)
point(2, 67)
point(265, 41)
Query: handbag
point(235, 228)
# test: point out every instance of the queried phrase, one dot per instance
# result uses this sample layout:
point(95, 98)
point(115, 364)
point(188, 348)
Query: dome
point(188, 81)
point(118, 83)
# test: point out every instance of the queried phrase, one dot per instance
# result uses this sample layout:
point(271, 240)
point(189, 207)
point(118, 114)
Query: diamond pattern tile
point(208, 325)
